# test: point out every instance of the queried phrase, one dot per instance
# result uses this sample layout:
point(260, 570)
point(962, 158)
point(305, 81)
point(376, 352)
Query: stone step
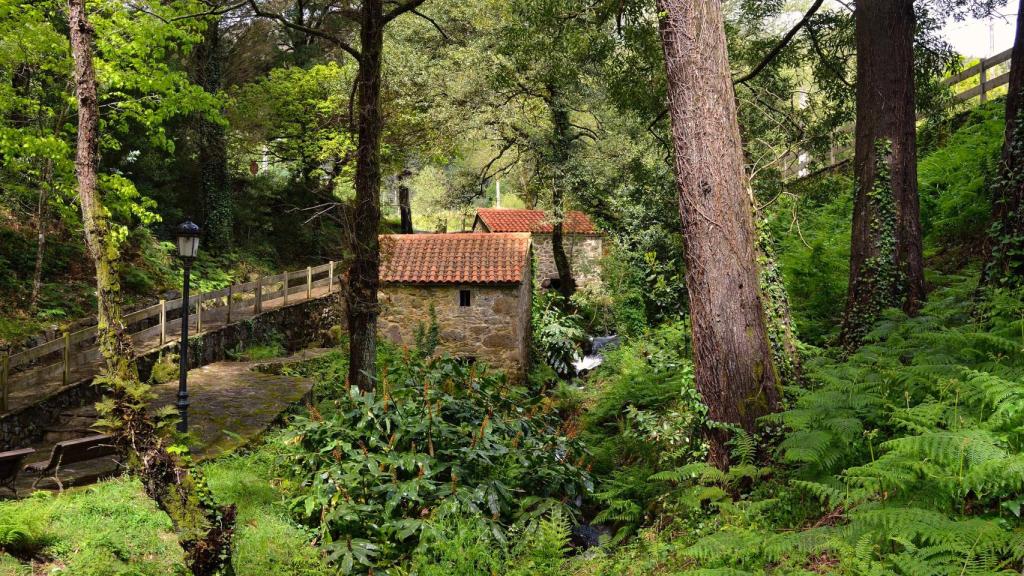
point(61, 433)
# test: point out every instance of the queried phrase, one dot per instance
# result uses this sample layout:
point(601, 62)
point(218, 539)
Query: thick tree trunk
point(364, 273)
point(404, 203)
point(213, 157)
point(735, 374)
point(204, 530)
point(561, 153)
point(1005, 262)
point(886, 262)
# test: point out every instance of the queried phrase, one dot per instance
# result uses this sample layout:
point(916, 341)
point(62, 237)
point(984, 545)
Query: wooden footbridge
point(33, 374)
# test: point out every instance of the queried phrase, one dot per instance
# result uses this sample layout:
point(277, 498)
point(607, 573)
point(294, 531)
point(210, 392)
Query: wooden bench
point(10, 465)
point(71, 452)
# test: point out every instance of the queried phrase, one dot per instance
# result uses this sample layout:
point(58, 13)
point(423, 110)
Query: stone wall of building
point(494, 328)
point(584, 253)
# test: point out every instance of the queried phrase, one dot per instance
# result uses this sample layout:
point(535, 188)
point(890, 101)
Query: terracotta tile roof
point(469, 258)
point(511, 220)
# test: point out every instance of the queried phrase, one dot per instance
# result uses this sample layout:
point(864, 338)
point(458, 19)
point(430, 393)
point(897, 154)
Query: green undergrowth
point(382, 472)
point(108, 529)
point(905, 458)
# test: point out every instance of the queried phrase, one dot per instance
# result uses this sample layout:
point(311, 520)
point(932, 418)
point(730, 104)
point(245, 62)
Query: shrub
point(556, 333)
point(376, 466)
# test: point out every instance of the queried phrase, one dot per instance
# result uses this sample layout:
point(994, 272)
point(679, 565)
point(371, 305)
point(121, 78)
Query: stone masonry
point(583, 250)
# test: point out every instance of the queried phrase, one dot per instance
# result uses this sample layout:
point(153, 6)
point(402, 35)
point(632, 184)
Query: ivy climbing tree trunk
point(886, 262)
point(204, 530)
point(364, 273)
point(560, 156)
point(734, 370)
point(213, 157)
point(1006, 257)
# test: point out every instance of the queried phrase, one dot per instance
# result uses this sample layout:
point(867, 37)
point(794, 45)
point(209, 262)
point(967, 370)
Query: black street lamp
point(188, 247)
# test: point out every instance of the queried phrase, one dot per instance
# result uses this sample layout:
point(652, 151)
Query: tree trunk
point(404, 204)
point(364, 273)
point(886, 262)
point(561, 154)
point(42, 213)
point(1006, 258)
point(734, 372)
point(204, 530)
point(213, 157)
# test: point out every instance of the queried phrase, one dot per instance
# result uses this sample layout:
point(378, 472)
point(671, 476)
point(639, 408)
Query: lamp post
point(188, 246)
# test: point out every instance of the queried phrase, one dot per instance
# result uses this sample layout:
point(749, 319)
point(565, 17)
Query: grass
point(108, 529)
point(267, 542)
point(112, 528)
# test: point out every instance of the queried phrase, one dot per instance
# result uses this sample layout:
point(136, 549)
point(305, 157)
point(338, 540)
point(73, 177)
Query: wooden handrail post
point(286, 288)
point(309, 282)
point(330, 277)
point(199, 313)
point(5, 362)
point(67, 357)
point(163, 322)
point(982, 76)
point(259, 295)
point(231, 293)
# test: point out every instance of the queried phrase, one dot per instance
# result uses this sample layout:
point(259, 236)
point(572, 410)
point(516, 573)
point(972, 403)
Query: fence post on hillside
point(231, 293)
point(199, 313)
point(309, 282)
point(285, 288)
point(163, 322)
point(5, 362)
point(67, 357)
point(982, 77)
point(330, 277)
point(259, 295)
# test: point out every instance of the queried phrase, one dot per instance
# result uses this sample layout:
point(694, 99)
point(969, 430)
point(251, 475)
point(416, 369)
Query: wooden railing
point(60, 357)
point(797, 165)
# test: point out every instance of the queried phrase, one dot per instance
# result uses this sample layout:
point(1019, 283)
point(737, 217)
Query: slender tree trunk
point(364, 273)
point(204, 530)
point(213, 157)
point(404, 204)
point(735, 374)
point(561, 153)
point(886, 262)
point(42, 213)
point(1006, 254)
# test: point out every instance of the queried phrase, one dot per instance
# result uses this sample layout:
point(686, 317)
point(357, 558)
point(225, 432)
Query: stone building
point(479, 286)
point(583, 243)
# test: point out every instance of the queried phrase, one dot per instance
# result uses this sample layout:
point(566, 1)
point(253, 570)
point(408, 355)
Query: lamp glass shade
point(188, 246)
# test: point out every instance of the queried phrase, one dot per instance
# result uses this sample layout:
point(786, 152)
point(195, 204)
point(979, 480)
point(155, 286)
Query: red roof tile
point(470, 258)
point(511, 220)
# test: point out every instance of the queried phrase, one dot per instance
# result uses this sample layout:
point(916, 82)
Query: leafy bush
point(376, 466)
point(556, 333)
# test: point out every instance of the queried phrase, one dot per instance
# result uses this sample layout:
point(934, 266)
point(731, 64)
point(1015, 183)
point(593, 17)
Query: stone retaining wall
point(298, 325)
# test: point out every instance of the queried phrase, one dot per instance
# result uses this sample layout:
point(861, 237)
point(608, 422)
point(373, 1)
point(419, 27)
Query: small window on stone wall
point(464, 298)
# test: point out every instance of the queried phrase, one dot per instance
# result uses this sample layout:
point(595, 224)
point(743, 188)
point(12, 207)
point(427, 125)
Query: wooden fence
point(59, 358)
point(797, 165)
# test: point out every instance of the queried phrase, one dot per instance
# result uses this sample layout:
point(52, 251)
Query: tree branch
point(306, 29)
point(782, 44)
point(402, 8)
point(432, 22)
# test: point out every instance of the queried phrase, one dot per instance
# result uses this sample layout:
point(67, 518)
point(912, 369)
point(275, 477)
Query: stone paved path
point(231, 404)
